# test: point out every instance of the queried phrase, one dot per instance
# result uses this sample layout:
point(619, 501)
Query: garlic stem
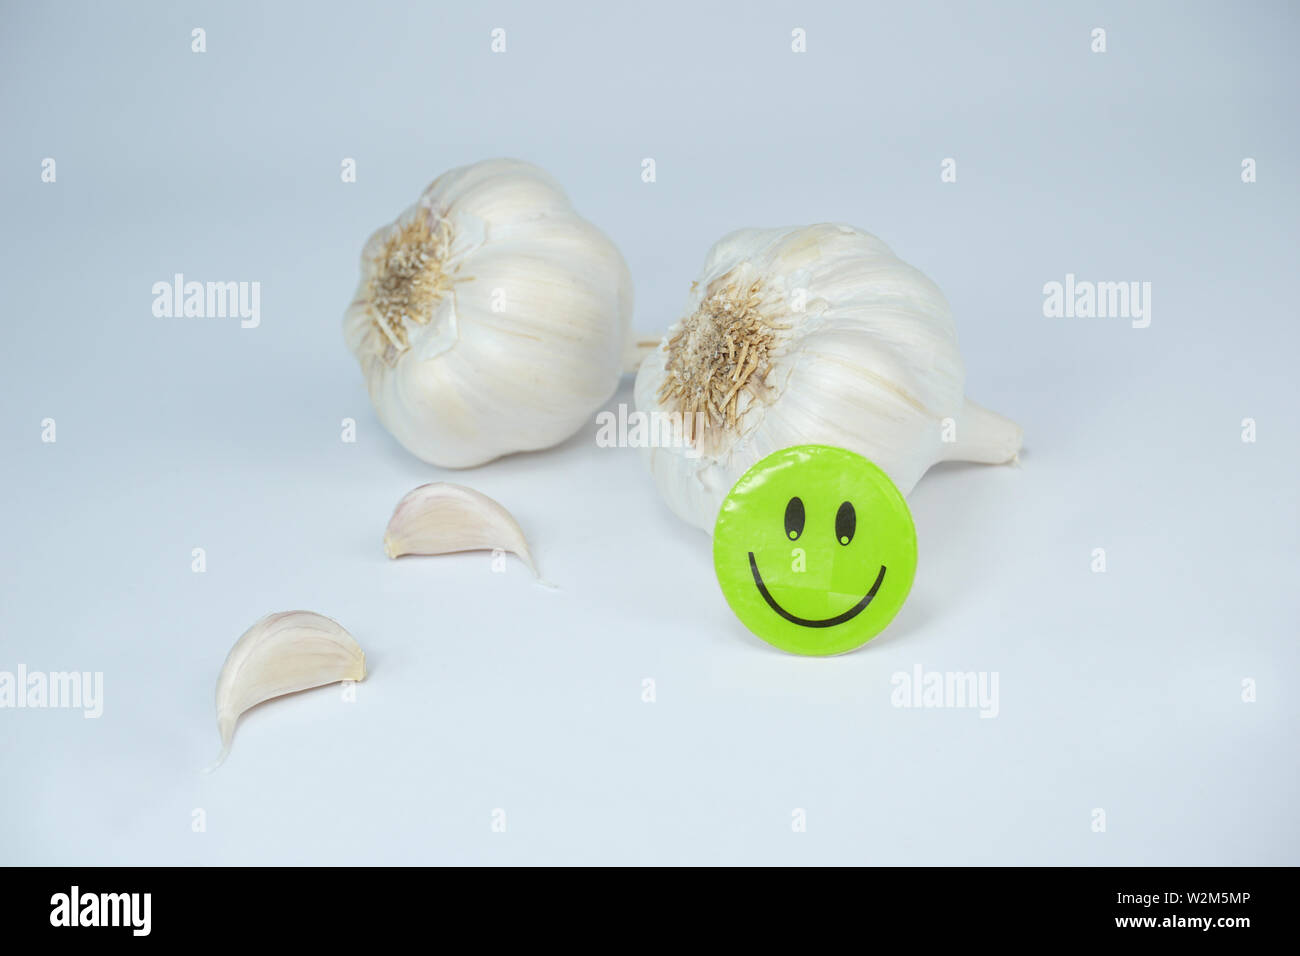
point(983, 436)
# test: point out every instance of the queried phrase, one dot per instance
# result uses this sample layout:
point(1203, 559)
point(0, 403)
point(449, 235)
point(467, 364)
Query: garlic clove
point(282, 654)
point(442, 518)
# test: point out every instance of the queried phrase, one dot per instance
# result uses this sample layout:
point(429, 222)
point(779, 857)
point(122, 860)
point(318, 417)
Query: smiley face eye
point(846, 522)
point(794, 518)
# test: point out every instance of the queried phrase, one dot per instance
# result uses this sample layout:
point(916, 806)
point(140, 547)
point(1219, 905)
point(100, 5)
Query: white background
point(1120, 691)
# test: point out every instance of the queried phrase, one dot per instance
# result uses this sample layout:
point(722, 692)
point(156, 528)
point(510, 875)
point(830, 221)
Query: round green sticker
point(815, 549)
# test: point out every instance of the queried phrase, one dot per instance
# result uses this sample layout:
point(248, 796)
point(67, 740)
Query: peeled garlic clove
point(810, 335)
point(490, 317)
point(439, 518)
point(282, 654)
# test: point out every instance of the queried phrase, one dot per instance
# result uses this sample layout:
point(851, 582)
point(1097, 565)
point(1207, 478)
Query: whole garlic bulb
point(490, 317)
point(809, 335)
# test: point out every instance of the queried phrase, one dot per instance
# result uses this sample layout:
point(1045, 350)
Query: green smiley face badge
point(815, 550)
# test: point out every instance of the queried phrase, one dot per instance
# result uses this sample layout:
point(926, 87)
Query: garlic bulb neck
point(984, 437)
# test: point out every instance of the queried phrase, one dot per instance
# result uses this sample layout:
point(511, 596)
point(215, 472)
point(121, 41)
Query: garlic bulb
point(490, 317)
point(809, 335)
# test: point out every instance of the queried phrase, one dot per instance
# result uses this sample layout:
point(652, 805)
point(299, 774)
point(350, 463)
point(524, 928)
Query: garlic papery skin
point(490, 318)
point(282, 654)
point(809, 335)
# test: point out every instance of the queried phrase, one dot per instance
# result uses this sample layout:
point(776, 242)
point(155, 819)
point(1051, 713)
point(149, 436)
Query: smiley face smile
point(803, 621)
